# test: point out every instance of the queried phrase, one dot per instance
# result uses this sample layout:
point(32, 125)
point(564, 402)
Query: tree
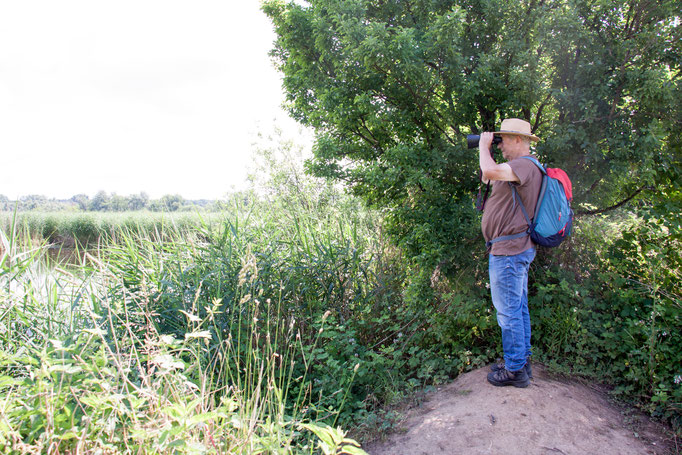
point(82, 200)
point(278, 172)
point(118, 203)
point(4, 202)
point(138, 201)
point(391, 89)
point(32, 202)
point(100, 202)
point(171, 202)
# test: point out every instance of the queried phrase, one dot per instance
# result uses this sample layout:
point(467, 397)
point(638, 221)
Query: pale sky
point(162, 96)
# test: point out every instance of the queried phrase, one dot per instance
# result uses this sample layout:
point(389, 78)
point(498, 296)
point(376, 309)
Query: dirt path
point(470, 416)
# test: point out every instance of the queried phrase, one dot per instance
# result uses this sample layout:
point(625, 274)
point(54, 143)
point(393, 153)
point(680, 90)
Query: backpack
point(553, 215)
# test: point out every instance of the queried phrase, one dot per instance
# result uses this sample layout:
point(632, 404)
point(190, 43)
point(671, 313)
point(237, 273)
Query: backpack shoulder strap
point(517, 198)
point(543, 186)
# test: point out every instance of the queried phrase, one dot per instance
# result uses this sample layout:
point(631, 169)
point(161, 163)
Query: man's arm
point(489, 168)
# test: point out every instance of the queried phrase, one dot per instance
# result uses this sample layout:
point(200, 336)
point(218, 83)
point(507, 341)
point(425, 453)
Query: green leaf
point(352, 450)
point(325, 434)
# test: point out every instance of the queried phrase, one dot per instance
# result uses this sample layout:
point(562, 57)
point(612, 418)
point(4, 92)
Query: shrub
point(620, 321)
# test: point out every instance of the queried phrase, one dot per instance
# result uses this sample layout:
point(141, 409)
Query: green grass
point(265, 328)
point(204, 340)
point(88, 228)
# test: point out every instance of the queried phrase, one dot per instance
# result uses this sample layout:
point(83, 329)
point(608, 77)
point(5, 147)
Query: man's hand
point(485, 142)
point(489, 169)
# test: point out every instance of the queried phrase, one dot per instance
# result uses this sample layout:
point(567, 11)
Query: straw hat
point(518, 127)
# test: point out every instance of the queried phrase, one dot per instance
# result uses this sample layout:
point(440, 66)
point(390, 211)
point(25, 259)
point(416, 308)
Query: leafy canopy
point(392, 87)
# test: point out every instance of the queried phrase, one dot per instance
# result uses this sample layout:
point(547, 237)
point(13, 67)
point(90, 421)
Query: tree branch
point(420, 103)
point(538, 115)
point(615, 206)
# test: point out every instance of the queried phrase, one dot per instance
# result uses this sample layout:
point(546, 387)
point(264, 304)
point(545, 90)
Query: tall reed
point(190, 343)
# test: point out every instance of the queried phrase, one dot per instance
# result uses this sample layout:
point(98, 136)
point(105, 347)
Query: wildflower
point(191, 317)
point(167, 362)
point(166, 340)
point(678, 379)
point(198, 334)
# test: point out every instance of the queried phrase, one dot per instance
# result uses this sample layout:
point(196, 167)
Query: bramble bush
point(620, 320)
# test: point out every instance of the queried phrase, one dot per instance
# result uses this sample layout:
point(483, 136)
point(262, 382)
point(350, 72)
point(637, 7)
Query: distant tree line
point(105, 202)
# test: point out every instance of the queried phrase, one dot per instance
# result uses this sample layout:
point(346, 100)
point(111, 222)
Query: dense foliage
point(619, 321)
point(392, 87)
point(255, 332)
point(201, 341)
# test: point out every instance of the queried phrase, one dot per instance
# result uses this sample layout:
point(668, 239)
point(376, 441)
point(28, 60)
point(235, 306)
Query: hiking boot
point(505, 377)
point(500, 366)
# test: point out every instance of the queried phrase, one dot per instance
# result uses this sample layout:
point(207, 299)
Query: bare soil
point(551, 416)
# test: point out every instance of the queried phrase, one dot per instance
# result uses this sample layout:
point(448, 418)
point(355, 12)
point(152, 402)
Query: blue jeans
point(509, 290)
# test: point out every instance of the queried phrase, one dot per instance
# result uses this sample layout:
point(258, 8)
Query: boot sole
point(519, 384)
point(495, 368)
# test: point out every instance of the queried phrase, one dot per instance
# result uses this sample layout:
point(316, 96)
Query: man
point(511, 250)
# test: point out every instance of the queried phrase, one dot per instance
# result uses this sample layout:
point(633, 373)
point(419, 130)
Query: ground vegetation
point(392, 88)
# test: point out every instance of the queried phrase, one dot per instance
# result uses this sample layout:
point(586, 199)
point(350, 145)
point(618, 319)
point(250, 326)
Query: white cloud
point(129, 96)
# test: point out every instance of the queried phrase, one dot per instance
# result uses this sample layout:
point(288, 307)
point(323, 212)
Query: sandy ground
point(470, 416)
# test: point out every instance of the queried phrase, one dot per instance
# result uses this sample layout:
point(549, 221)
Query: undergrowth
point(273, 327)
point(101, 358)
point(612, 311)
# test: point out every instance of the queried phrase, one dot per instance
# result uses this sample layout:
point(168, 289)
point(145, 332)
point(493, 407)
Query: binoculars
point(473, 139)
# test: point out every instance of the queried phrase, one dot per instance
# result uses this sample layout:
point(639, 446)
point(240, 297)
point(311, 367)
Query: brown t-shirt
point(503, 217)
